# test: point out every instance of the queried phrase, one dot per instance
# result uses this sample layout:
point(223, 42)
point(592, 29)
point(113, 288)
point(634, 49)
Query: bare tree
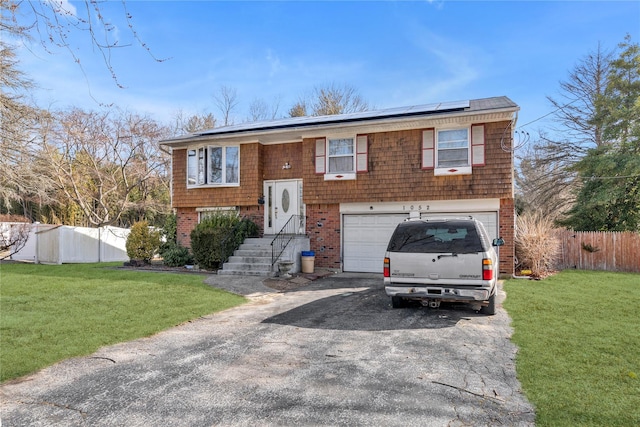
point(542, 187)
point(260, 110)
point(196, 122)
point(20, 125)
point(334, 99)
point(299, 109)
point(50, 23)
point(575, 108)
point(545, 176)
point(13, 237)
point(226, 99)
point(108, 164)
point(329, 100)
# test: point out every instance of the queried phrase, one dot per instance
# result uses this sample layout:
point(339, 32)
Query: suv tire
point(491, 308)
point(398, 302)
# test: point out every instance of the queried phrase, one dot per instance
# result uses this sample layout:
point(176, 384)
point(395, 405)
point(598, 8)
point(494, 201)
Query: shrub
point(169, 234)
point(177, 256)
point(537, 246)
point(217, 236)
point(143, 242)
point(206, 246)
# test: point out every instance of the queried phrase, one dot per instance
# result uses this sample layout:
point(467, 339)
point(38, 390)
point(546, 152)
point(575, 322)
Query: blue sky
point(394, 53)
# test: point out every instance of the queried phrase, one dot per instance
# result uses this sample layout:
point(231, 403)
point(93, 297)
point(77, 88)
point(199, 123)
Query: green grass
point(578, 334)
point(50, 313)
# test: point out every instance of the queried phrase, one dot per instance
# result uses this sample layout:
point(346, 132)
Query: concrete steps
point(252, 258)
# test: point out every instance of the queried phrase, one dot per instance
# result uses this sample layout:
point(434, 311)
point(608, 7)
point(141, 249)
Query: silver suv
point(435, 260)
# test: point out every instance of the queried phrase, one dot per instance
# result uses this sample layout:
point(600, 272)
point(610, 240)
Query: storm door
point(282, 201)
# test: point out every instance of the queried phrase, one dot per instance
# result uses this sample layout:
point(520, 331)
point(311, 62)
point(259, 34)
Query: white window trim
point(340, 176)
point(196, 148)
point(452, 170)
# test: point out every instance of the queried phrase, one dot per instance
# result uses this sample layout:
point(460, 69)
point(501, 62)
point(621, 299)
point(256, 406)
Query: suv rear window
point(436, 237)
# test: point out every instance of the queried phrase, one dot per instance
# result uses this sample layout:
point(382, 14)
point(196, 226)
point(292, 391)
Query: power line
point(593, 178)
point(550, 113)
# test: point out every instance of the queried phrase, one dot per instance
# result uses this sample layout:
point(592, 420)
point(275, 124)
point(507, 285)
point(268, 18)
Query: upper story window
point(453, 151)
point(453, 148)
point(341, 157)
point(212, 165)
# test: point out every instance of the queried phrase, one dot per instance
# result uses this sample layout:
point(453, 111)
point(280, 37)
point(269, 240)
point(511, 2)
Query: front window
point(453, 148)
point(213, 165)
point(341, 155)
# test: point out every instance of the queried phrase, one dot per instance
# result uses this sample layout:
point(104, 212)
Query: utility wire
point(550, 113)
point(593, 178)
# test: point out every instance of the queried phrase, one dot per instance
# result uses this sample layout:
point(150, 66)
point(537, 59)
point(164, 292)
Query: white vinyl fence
point(61, 244)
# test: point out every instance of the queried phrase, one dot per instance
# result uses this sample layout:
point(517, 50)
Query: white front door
point(282, 200)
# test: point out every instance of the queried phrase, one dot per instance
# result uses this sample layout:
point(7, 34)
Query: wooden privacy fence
point(600, 250)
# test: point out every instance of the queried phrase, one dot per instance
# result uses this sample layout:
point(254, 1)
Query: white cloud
point(451, 67)
point(274, 63)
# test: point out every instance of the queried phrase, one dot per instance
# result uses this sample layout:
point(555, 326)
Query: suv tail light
point(487, 269)
point(385, 269)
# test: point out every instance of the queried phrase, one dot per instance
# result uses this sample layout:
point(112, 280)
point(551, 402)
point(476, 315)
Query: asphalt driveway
point(330, 353)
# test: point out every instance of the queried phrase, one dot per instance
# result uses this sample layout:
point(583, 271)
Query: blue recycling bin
point(308, 259)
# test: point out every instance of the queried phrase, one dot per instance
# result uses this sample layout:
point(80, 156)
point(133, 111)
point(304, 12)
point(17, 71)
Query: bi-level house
point(351, 178)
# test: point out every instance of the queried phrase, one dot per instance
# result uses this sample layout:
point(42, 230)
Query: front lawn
point(52, 312)
point(578, 334)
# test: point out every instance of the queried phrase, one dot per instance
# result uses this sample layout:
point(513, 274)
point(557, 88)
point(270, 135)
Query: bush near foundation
point(537, 246)
point(177, 256)
point(143, 242)
point(216, 237)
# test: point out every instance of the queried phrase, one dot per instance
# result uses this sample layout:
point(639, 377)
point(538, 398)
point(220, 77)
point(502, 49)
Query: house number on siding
point(418, 208)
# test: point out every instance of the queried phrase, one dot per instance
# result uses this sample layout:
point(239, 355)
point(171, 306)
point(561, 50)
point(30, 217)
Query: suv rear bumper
point(438, 293)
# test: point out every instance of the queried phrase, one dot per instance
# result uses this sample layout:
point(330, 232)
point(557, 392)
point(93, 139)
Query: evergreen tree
point(609, 197)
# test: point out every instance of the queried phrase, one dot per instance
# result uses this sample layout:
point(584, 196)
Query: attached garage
point(365, 239)
point(365, 236)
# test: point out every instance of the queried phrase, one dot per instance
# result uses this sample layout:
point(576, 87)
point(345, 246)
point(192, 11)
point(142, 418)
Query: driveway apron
point(333, 352)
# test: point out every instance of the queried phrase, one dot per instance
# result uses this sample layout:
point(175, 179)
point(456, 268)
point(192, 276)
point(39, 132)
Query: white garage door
point(365, 237)
point(365, 240)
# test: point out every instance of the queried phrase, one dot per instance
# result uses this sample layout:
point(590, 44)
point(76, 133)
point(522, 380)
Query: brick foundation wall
point(323, 228)
point(187, 219)
point(507, 232)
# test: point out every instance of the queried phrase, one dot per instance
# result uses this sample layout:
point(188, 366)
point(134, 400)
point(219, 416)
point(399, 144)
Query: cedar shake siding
point(395, 172)
point(257, 164)
point(275, 156)
point(244, 195)
point(393, 164)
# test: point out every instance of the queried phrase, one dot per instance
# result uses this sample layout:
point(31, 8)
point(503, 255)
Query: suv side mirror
point(498, 242)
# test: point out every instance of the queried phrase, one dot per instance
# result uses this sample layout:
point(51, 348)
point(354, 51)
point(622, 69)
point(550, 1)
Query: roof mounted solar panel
point(479, 105)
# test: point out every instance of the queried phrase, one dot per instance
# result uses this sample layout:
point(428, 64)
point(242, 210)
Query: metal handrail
point(294, 226)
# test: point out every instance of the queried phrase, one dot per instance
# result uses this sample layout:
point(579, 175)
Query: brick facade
point(507, 224)
point(187, 219)
point(323, 228)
